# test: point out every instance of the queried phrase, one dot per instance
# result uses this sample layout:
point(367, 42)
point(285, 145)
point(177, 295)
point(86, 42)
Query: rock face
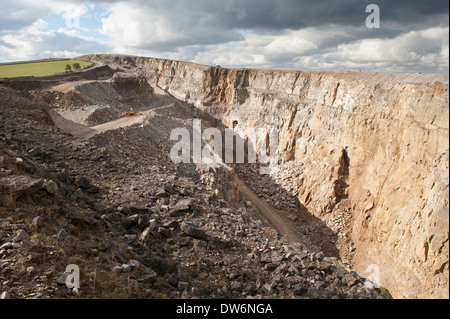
point(374, 145)
point(362, 172)
point(138, 226)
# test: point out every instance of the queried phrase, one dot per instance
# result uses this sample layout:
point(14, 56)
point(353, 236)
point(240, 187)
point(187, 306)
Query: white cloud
point(130, 26)
point(427, 48)
point(37, 41)
point(230, 56)
point(269, 50)
point(157, 26)
point(289, 44)
point(308, 49)
point(21, 13)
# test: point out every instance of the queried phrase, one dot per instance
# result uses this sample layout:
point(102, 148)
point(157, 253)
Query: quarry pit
point(361, 175)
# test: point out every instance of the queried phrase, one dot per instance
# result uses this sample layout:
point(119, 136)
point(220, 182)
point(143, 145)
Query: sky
point(412, 35)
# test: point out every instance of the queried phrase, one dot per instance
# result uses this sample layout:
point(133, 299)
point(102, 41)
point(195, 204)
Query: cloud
point(282, 34)
point(166, 26)
point(296, 34)
point(37, 41)
point(18, 14)
point(415, 51)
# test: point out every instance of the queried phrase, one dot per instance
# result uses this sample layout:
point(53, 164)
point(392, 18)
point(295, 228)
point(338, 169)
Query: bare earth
point(85, 132)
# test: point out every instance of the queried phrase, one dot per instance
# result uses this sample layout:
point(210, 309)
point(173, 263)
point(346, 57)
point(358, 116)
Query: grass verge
point(39, 68)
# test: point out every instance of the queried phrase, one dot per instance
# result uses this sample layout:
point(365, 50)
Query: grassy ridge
point(34, 61)
point(38, 68)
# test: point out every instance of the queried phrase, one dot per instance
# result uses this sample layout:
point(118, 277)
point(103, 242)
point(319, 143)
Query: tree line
point(75, 66)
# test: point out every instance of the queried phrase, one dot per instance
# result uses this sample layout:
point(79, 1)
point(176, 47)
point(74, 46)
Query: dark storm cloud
point(295, 14)
point(302, 13)
point(201, 22)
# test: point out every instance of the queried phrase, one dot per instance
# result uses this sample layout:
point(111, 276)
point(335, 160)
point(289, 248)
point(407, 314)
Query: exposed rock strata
point(116, 207)
point(375, 145)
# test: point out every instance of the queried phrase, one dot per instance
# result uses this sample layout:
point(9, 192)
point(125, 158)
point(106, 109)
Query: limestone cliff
point(373, 144)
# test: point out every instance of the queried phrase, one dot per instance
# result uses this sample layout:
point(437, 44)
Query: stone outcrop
point(375, 145)
point(21, 184)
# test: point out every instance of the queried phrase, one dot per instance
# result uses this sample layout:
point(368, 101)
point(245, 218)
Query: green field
point(38, 68)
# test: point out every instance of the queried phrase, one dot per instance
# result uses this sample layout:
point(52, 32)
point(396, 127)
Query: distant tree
point(68, 67)
point(77, 66)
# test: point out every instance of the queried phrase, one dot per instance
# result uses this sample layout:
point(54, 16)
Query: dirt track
point(273, 216)
point(127, 120)
point(65, 87)
point(85, 132)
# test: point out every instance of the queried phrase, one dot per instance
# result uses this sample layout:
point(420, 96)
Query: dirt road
point(85, 132)
point(65, 87)
point(272, 215)
point(125, 121)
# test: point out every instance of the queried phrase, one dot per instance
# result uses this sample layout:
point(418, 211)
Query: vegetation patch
point(41, 67)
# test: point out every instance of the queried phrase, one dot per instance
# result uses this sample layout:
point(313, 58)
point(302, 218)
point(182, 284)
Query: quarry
point(344, 195)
